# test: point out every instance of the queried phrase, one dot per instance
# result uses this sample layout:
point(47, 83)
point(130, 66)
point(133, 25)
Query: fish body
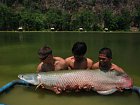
point(97, 80)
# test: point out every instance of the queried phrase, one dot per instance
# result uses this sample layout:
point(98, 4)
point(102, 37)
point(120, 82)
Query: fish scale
point(100, 80)
point(82, 77)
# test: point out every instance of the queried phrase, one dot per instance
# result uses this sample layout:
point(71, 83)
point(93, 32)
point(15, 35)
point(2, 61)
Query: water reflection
point(20, 37)
point(18, 54)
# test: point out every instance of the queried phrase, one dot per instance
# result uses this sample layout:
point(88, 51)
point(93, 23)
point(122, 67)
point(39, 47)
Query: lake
point(18, 54)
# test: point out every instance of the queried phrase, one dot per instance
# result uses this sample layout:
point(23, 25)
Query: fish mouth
point(30, 78)
point(20, 76)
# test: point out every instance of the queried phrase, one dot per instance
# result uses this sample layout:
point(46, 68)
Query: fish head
point(30, 78)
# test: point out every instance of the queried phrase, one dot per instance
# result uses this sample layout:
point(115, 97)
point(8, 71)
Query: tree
point(123, 21)
point(65, 21)
point(9, 20)
point(32, 21)
point(85, 19)
point(53, 19)
point(137, 18)
point(108, 19)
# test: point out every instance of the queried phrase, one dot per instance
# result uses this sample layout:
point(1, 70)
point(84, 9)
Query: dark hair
point(106, 51)
point(44, 52)
point(79, 48)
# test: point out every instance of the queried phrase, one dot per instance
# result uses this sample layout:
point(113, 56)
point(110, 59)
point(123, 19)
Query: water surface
point(18, 54)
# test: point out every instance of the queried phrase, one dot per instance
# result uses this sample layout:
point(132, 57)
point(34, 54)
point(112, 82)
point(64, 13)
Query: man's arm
point(95, 66)
point(39, 67)
point(89, 63)
point(60, 63)
point(117, 68)
point(68, 62)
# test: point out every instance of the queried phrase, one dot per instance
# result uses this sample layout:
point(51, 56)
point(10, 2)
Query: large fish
point(97, 80)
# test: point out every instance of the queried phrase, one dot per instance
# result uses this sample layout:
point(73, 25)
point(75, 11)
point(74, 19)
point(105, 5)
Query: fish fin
point(57, 90)
point(107, 92)
point(38, 86)
point(136, 89)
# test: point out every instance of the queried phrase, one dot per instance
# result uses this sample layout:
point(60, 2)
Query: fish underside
point(66, 80)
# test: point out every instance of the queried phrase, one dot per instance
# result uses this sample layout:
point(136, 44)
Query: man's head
point(44, 52)
point(105, 57)
point(107, 52)
point(79, 49)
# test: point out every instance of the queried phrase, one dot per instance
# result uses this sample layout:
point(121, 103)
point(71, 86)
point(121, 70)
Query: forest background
point(70, 15)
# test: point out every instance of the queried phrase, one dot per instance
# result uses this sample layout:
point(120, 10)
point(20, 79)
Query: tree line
point(69, 15)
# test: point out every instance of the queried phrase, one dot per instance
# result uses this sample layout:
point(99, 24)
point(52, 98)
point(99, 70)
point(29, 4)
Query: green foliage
point(65, 21)
point(108, 18)
point(69, 15)
point(71, 5)
point(85, 19)
point(53, 19)
point(57, 19)
point(4, 12)
point(137, 18)
point(123, 21)
point(118, 21)
point(8, 19)
point(32, 21)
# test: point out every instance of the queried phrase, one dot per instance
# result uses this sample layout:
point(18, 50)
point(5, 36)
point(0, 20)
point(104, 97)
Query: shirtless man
point(104, 63)
point(49, 62)
point(78, 61)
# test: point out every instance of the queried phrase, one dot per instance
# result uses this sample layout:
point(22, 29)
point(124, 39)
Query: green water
point(18, 54)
